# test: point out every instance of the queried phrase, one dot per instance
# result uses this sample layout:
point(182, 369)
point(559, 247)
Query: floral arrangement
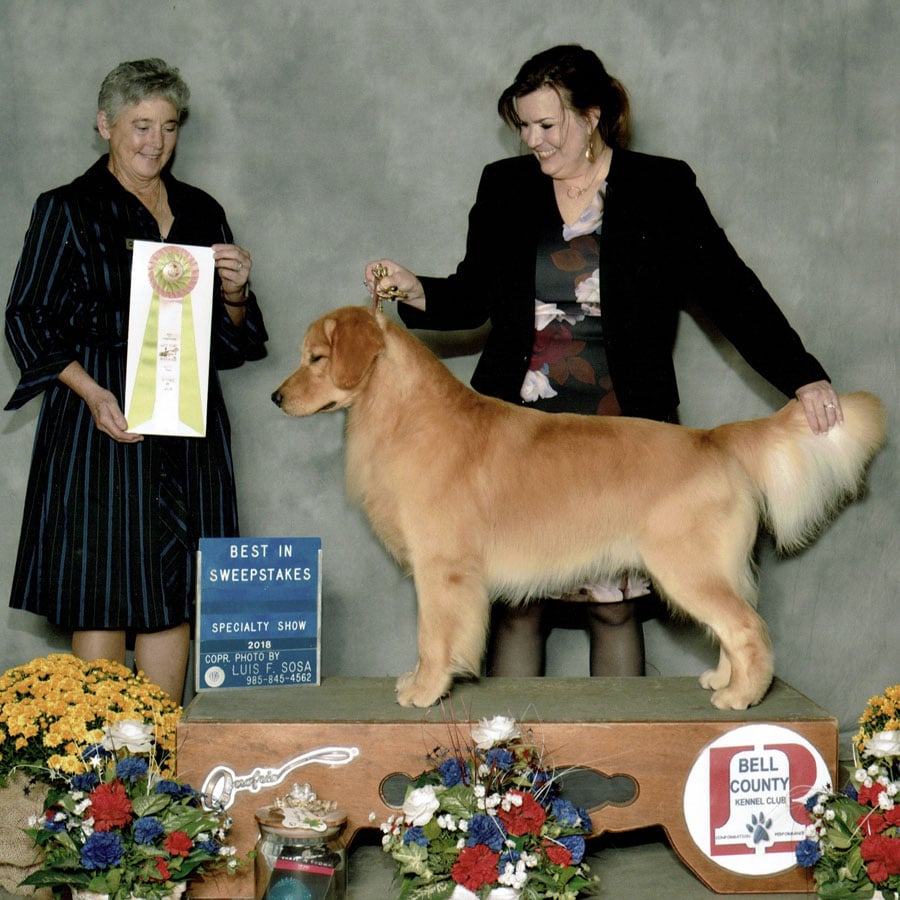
point(53, 707)
point(486, 819)
point(122, 829)
point(853, 842)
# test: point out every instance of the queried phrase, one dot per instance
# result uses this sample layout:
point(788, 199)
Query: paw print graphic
point(759, 827)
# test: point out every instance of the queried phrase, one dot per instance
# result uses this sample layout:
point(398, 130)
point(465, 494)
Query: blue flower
point(565, 812)
point(86, 782)
point(101, 850)
point(808, 853)
point(486, 830)
point(175, 790)
point(171, 788)
point(851, 792)
point(540, 780)
point(453, 771)
point(585, 819)
point(51, 824)
point(416, 835)
point(511, 856)
point(95, 751)
point(575, 845)
point(210, 847)
point(500, 758)
point(147, 829)
point(131, 768)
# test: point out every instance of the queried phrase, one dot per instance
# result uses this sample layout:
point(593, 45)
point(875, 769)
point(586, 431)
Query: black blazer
point(660, 248)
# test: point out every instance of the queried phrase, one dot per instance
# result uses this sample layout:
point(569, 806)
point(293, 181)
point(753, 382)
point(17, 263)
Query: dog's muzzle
point(278, 400)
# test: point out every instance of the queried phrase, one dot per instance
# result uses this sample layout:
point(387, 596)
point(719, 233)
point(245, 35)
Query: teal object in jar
point(300, 854)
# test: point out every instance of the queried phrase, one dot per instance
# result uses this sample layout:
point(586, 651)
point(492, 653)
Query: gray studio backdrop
point(337, 132)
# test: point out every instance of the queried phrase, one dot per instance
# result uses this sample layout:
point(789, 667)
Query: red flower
point(475, 867)
point(871, 823)
point(557, 854)
point(178, 843)
point(162, 868)
point(110, 806)
point(882, 857)
point(868, 796)
point(525, 819)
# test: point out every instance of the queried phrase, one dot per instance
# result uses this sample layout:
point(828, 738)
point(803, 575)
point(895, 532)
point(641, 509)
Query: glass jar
point(300, 856)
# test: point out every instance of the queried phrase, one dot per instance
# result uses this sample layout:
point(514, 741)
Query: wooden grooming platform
point(644, 734)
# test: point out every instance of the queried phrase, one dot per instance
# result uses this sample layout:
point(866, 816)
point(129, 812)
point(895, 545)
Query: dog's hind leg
point(705, 572)
point(453, 622)
point(745, 667)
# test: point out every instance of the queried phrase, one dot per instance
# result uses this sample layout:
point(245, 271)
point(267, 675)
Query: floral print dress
point(569, 370)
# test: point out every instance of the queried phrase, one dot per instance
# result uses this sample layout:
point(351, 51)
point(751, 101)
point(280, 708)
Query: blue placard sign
point(259, 604)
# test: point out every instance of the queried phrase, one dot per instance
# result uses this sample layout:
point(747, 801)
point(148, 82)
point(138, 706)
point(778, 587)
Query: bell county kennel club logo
point(743, 799)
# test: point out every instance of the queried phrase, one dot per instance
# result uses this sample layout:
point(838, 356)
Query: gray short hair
point(132, 82)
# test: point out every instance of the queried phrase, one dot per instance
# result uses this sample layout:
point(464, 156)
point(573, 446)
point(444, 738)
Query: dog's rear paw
point(726, 699)
point(411, 693)
point(715, 679)
point(731, 698)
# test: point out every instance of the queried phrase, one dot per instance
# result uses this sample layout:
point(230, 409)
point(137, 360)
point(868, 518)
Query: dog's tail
point(804, 477)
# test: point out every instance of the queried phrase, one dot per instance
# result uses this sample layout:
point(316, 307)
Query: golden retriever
point(481, 499)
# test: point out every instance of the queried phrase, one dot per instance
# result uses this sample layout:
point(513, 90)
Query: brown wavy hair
point(582, 82)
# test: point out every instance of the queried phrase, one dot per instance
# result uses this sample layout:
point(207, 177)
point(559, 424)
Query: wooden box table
point(649, 730)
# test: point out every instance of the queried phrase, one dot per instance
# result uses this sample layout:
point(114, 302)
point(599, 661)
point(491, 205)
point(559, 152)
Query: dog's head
point(336, 357)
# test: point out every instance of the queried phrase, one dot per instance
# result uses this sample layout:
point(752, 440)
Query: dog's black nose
point(277, 398)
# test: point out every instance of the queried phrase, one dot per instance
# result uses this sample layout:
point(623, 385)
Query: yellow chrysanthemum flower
point(56, 706)
point(882, 713)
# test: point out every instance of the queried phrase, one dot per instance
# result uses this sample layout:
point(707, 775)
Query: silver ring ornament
point(222, 783)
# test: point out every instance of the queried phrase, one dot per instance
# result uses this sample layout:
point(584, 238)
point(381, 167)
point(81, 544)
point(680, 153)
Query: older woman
point(581, 254)
point(113, 518)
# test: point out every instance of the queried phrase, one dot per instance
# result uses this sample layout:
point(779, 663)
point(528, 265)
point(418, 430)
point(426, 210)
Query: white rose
point(489, 732)
point(885, 743)
point(420, 805)
point(131, 734)
point(536, 386)
point(587, 293)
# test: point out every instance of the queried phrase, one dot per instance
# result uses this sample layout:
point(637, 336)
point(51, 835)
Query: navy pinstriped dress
point(109, 530)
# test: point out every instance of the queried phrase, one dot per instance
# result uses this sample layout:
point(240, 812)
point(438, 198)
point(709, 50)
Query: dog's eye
point(315, 357)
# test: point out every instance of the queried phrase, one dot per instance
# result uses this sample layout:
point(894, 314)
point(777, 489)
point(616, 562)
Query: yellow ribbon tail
point(190, 403)
point(143, 397)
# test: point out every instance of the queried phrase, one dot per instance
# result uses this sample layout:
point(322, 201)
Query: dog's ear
point(355, 342)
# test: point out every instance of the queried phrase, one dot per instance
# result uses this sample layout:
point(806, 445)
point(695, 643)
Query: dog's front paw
point(411, 693)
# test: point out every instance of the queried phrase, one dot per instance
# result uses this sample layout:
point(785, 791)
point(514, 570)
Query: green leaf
point(150, 804)
point(846, 892)
point(49, 878)
point(840, 840)
point(411, 858)
point(439, 890)
point(189, 820)
point(457, 801)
